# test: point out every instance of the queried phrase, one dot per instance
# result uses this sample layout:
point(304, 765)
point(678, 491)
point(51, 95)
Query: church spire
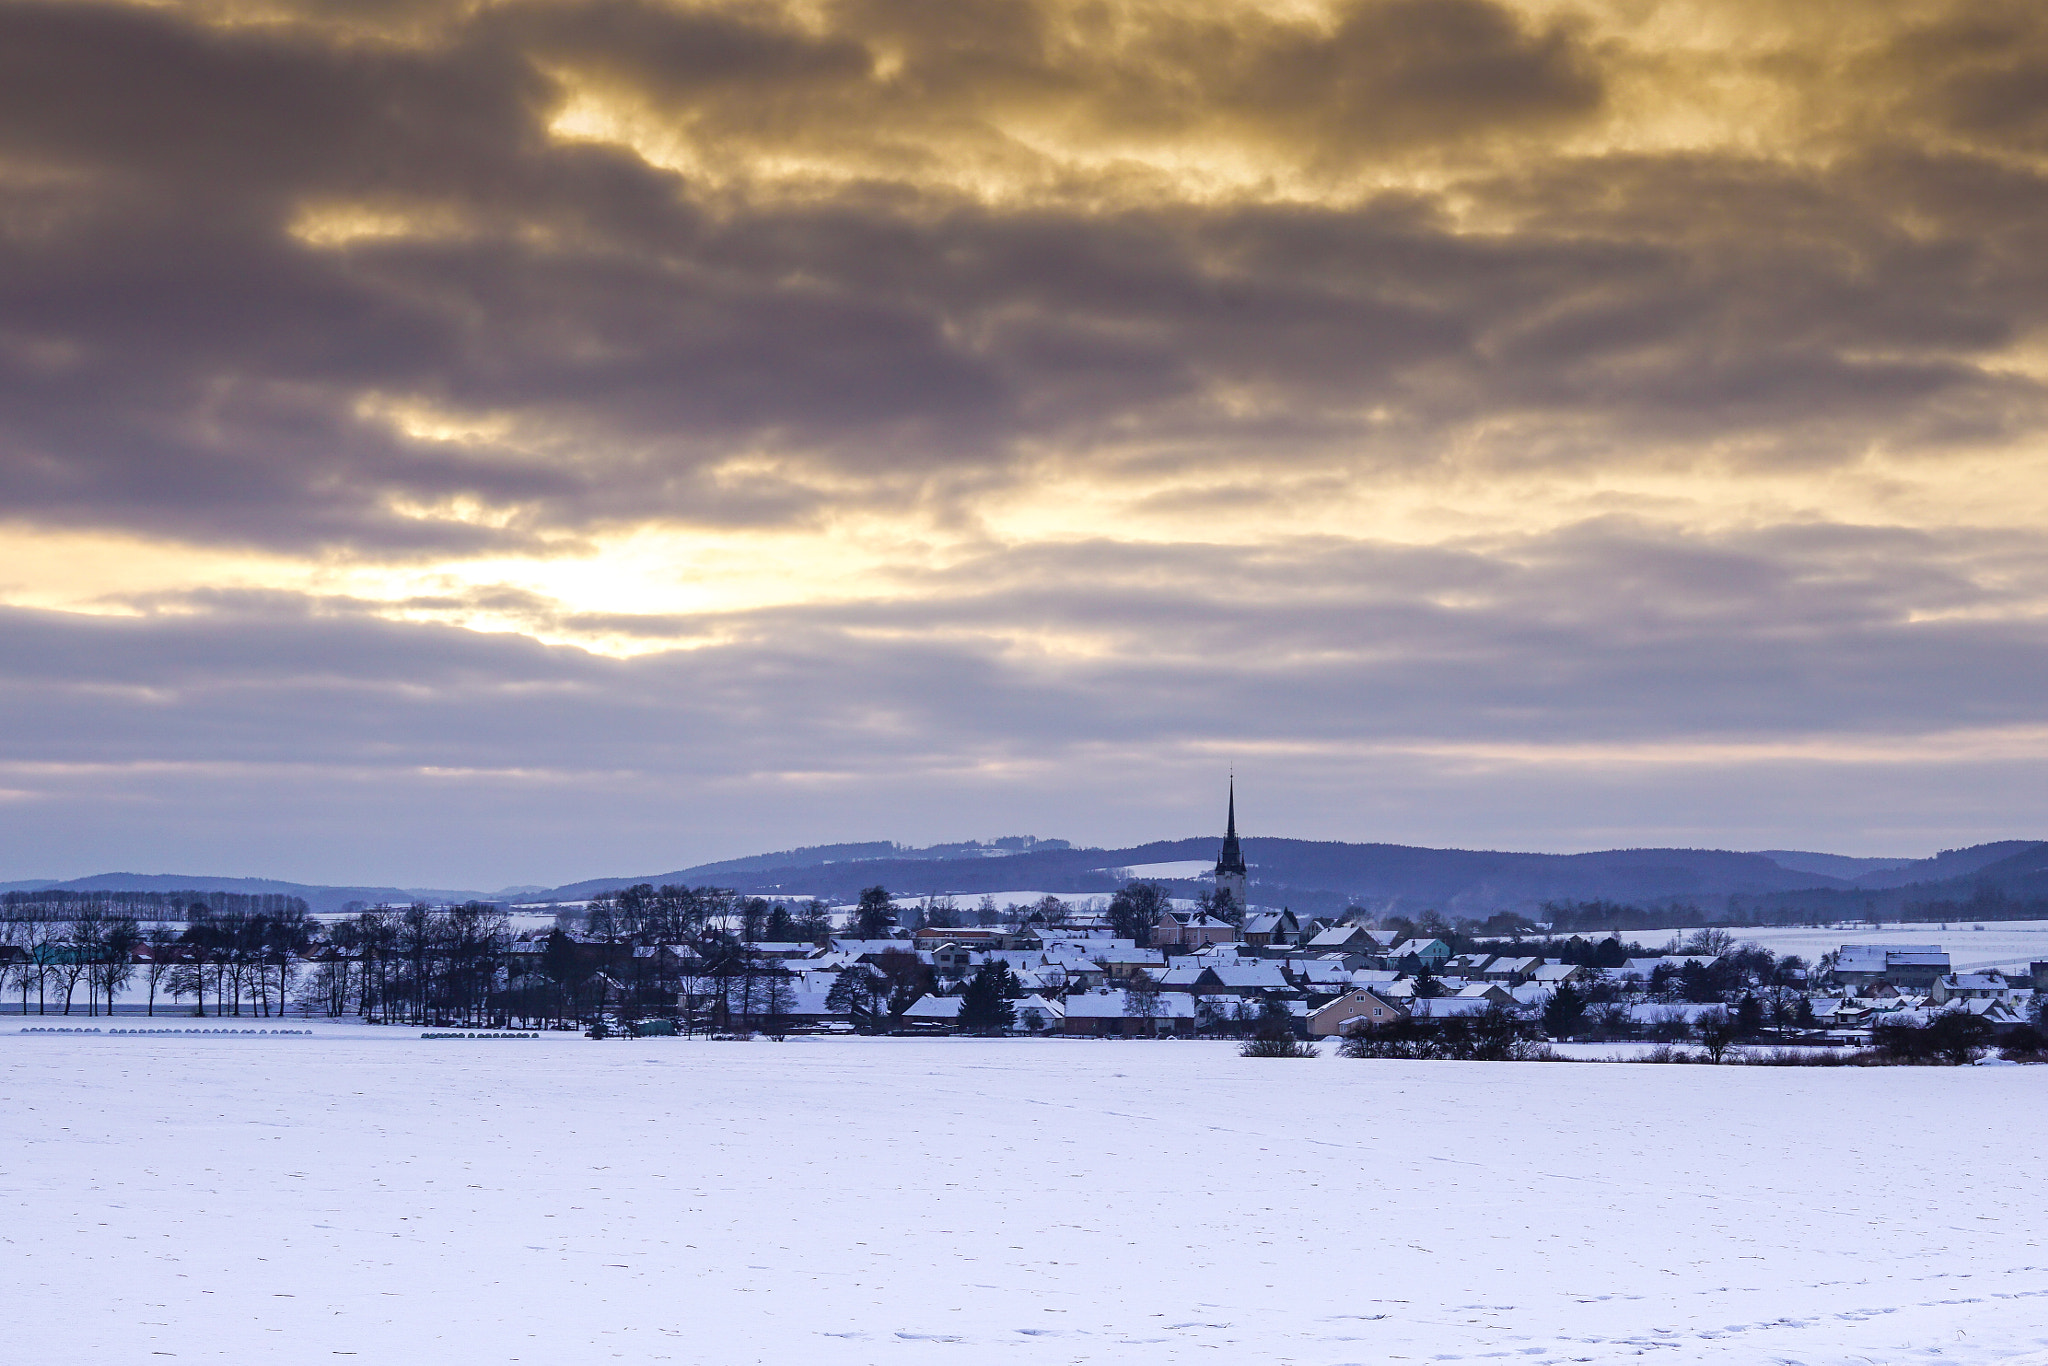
point(1230, 861)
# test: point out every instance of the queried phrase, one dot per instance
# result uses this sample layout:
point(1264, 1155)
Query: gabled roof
point(1251, 974)
point(1100, 1005)
point(1451, 1005)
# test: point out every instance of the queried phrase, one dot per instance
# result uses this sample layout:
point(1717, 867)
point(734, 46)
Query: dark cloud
point(173, 358)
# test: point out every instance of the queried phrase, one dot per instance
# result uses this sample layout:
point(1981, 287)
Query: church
point(1230, 869)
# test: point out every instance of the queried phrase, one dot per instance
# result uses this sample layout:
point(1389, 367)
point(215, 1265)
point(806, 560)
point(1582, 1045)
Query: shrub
point(1277, 1048)
point(1274, 1037)
point(1953, 1037)
point(1498, 1035)
point(2024, 1044)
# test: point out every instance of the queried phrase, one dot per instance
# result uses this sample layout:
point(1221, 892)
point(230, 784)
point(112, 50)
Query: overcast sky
point(467, 444)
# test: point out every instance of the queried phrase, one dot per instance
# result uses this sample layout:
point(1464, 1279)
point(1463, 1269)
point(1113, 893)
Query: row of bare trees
point(418, 965)
point(57, 956)
point(86, 953)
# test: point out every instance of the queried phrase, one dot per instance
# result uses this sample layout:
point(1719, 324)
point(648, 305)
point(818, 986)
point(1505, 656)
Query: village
point(1205, 976)
point(1139, 963)
point(1144, 965)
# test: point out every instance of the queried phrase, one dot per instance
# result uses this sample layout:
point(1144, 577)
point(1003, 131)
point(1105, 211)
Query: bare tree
point(114, 963)
point(161, 941)
point(1141, 1000)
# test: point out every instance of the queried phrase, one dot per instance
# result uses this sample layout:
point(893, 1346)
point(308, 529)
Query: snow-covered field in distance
point(1176, 870)
point(1999, 943)
point(365, 1193)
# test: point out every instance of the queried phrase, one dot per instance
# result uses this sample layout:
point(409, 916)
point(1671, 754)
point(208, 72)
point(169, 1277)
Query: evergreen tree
point(1564, 1011)
point(1749, 1017)
point(985, 1001)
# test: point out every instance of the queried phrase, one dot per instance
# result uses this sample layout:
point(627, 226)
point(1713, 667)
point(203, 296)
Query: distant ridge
point(1325, 876)
point(1312, 876)
point(322, 900)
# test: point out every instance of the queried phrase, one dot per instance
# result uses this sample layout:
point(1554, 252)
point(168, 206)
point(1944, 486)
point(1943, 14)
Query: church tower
point(1230, 869)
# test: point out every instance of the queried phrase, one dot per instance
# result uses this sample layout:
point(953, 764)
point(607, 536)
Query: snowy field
point(367, 1194)
point(2000, 943)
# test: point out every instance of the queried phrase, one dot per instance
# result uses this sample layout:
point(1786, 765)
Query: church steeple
point(1230, 862)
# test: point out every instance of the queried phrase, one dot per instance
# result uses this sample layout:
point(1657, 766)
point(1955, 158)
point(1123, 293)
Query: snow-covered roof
point(1878, 957)
point(1451, 1005)
point(1100, 1005)
point(857, 947)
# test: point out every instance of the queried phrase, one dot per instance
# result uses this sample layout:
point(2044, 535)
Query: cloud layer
point(974, 402)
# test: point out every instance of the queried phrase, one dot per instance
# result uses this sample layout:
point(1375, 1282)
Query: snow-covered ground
point(1999, 943)
point(367, 1194)
point(1176, 870)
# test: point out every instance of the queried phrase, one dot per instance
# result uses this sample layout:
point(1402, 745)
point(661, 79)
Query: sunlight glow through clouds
point(1012, 389)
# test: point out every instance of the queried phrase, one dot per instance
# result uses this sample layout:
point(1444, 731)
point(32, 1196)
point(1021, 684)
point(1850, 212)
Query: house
point(781, 948)
point(1491, 992)
point(1554, 975)
point(866, 949)
point(1912, 966)
point(949, 958)
point(1039, 1015)
point(931, 937)
point(2001, 1015)
point(1467, 964)
point(1239, 978)
point(1320, 977)
point(1973, 986)
point(1276, 928)
point(1512, 971)
point(1346, 939)
point(1419, 955)
point(1191, 930)
point(933, 1013)
point(1111, 1013)
point(1831, 1012)
point(1440, 1007)
point(1352, 1011)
